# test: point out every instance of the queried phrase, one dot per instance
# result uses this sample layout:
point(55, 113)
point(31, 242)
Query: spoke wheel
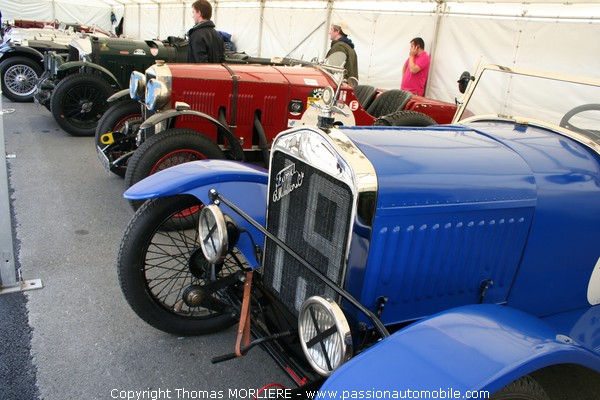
point(19, 77)
point(160, 258)
point(78, 102)
point(177, 157)
point(122, 119)
point(166, 149)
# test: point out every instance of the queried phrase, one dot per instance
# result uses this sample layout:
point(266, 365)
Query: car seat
point(389, 102)
point(365, 95)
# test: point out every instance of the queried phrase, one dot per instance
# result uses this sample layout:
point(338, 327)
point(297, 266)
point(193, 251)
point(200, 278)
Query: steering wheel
point(564, 122)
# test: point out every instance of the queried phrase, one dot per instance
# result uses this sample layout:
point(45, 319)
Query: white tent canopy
point(555, 36)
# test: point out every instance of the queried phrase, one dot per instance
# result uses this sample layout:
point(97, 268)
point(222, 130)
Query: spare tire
point(405, 118)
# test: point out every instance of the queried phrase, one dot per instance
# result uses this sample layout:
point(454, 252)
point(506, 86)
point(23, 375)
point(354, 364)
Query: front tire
point(524, 388)
point(78, 102)
point(124, 117)
point(157, 262)
point(19, 77)
point(166, 149)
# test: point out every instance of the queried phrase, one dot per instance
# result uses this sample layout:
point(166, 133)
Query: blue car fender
point(475, 349)
point(243, 184)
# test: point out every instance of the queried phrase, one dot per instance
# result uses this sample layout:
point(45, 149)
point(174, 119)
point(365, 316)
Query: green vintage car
point(75, 86)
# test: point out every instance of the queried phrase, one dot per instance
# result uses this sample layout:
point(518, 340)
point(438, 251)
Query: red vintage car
point(235, 110)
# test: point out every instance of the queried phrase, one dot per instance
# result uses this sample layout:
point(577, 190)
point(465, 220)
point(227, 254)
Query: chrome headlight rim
point(137, 85)
point(324, 311)
point(212, 234)
point(156, 94)
point(328, 96)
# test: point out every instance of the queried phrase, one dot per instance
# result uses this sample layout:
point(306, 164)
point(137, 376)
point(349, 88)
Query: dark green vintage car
point(75, 86)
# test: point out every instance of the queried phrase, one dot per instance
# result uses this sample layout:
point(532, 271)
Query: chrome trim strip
point(333, 153)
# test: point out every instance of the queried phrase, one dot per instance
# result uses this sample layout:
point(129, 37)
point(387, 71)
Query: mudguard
point(25, 51)
point(173, 113)
point(236, 148)
point(78, 64)
point(243, 184)
point(471, 348)
point(118, 96)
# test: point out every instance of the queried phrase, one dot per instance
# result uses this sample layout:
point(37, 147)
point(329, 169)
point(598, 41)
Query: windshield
point(554, 101)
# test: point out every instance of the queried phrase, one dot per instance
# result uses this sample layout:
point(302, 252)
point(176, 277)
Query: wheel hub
point(20, 80)
point(193, 296)
point(86, 107)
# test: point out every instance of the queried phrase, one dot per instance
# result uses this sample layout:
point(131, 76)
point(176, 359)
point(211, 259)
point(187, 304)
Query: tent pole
point(216, 13)
point(260, 26)
point(158, 16)
point(139, 35)
point(440, 10)
point(183, 27)
point(328, 22)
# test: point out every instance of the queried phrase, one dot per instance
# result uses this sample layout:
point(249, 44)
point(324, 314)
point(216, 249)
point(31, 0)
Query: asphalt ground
point(77, 338)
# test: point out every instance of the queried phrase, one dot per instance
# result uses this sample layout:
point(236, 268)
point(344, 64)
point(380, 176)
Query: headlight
point(157, 94)
point(324, 334)
point(212, 234)
point(137, 85)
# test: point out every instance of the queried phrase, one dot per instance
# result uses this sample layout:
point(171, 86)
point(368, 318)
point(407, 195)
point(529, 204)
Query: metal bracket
point(9, 281)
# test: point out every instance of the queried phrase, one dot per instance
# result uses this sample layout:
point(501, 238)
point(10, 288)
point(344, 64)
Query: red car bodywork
point(237, 108)
point(245, 90)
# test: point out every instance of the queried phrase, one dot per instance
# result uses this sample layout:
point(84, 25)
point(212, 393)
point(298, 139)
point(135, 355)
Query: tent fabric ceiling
point(557, 36)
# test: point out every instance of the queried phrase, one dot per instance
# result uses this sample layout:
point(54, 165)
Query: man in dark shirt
point(206, 45)
point(342, 49)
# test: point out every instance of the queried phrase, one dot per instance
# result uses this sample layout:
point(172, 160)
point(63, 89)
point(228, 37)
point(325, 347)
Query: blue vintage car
point(454, 261)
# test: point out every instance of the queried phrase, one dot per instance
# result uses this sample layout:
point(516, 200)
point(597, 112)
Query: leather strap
point(243, 336)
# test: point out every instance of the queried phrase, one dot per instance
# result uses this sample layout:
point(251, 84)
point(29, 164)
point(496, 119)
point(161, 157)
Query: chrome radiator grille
point(311, 212)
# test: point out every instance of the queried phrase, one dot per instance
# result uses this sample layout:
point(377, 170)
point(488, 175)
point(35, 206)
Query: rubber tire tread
point(131, 275)
point(405, 118)
point(157, 146)
point(67, 84)
point(116, 112)
point(524, 388)
point(9, 62)
point(388, 102)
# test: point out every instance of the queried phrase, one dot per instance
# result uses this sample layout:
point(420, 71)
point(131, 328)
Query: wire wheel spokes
point(174, 261)
point(20, 79)
point(84, 105)
point(177, 157)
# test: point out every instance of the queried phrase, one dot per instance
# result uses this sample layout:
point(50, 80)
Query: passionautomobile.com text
point(279, 393)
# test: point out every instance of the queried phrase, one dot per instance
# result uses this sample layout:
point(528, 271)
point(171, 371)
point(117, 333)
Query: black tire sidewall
point(130, 270)
point(524, 388)
point(405, 118)
point(143, 161)
point(10, 62)
point(60, 93)
point(116, 113)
